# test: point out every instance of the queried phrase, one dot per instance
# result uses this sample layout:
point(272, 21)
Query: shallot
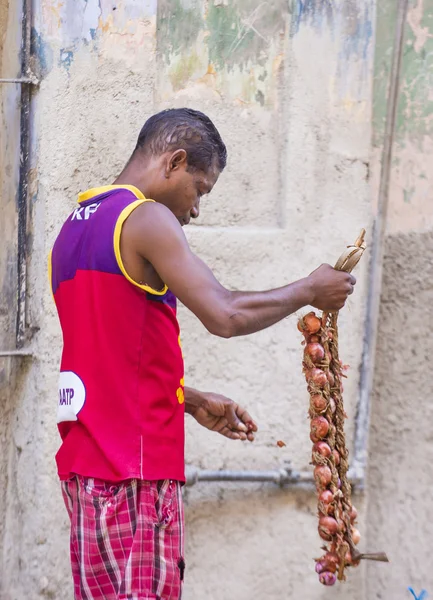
point(322, 448)
point(331, 379)
point(336, 456)
point(316, 377)
point(328, 527)
point(330, 561)
point(319, 567)
point(322, 476)
point(356, 536)
point(353, 514)
point(315, 352)
point(318, 403)
point(327, 578)
point(326, 497)
point(309, 324)
point(319, 428)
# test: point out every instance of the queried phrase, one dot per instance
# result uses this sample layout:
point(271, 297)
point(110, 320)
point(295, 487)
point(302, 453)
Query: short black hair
point(185, 128)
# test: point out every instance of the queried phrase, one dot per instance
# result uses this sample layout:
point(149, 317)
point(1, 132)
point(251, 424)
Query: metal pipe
point(377, 248)
point(284, 477)
point(23, 177)
point(21, 80)
point(22, 353)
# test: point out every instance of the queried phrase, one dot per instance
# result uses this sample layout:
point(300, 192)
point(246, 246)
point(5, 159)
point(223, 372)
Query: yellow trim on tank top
point(50, 271)
point(93, 192)
point(117, 231)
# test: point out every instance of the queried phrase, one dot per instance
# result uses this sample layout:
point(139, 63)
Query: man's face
point(183, 187)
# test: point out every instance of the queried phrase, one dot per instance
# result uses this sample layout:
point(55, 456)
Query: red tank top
point(121, 390)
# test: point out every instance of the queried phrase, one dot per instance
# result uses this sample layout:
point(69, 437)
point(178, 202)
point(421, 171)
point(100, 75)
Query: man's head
point(181, 154)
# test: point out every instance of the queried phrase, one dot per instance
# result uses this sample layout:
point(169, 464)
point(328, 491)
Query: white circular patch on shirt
point(72, 395)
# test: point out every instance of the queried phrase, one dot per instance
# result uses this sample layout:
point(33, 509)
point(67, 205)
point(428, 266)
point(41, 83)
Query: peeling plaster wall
point(400, 474)
point(411, 186)
point(10, 38)
point(290, 89)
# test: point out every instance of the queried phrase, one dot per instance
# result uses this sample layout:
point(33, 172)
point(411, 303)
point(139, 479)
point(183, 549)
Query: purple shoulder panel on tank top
point(91, 248)
point(168, 298)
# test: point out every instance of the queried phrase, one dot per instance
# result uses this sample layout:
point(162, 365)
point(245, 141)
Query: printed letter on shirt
point(72, 395)
point(89, 210)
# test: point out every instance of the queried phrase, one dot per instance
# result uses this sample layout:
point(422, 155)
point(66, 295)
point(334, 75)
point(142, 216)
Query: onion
point(312, 323)
point(332, 405)
point(325, 504)
point(319, 567)
point(336, 457)
point(322, 448)
point(330, 335)
point(316, 377)
point(328, 527)
point(322, 476)
point(314, 339)
point(315, 352)
point(330, 561)
point(356, 536)
point(353, 514)
point(326, 497)
point(327, 578)
point(339, 483)
point(349, 560)
point(319, 428)
point(330, 377)
point(318, 403)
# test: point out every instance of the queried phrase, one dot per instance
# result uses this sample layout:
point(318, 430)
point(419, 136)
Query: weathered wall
point(401, 449)
point(10, 36)
point(400, 473)
point(289, 86)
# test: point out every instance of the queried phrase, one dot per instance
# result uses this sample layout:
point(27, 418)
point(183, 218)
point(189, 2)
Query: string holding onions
point(323, 375)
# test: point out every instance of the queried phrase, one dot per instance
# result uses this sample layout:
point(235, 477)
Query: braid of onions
point(337, 516)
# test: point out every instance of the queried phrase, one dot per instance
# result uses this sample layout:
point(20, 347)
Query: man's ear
point(177, 160)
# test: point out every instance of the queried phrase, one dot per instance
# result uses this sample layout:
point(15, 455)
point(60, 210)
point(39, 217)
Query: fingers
point(232, 418)
point(233, 435)
point(245, 417)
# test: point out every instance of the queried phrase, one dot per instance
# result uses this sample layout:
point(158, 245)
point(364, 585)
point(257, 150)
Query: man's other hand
point(218, 413)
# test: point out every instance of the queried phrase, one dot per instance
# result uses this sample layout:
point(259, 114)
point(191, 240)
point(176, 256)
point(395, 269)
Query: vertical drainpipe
point(23, 175)
point(377, 251)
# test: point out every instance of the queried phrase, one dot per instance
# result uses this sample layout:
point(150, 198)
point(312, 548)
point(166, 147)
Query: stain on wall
point(411, 186)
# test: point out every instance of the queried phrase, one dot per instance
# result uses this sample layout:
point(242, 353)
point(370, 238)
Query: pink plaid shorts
point(126, 539)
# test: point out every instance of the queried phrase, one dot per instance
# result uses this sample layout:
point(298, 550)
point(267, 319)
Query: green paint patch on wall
point(415, 106)
point(178, 26)
point(235, 32)
point(183, 70)
point(240, 31)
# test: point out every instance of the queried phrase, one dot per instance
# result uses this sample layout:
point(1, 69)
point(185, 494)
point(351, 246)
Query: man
point(118, 265)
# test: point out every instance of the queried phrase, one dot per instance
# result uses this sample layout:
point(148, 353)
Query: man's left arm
point(218, 413)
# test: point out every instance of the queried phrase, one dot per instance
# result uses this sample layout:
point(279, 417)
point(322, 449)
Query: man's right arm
point(155, 235)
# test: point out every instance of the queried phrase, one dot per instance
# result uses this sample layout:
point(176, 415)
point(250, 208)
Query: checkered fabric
point(126, 539)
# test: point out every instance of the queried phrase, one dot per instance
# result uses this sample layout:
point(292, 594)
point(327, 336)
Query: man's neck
point(140, 178)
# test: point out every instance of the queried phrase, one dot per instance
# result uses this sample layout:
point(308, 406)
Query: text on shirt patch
point(83, 213)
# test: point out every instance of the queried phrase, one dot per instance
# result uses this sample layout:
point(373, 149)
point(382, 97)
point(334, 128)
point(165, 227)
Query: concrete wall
point(10, 36)
point(290, 87)
point(400, 473)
